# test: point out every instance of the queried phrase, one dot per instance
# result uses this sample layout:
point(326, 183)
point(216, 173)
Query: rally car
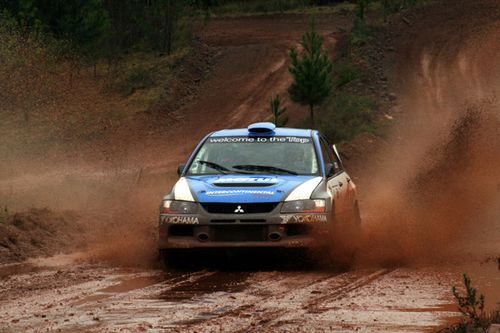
point(260, 186)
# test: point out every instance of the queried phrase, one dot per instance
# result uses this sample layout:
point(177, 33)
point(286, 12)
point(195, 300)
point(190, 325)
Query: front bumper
point(273, 230)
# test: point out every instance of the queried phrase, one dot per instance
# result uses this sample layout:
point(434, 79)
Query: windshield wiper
point(219, 167)
point(268, 168)
point(215, 166)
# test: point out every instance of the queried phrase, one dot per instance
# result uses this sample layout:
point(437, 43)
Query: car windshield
point(249, 155)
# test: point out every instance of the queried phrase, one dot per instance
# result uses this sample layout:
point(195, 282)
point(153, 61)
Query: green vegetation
point(345, 72)
point(262, 6)
point(312, 72)
point(344, 116)
point(104, 29)
point(238, 7)
point(131, 47)
point(277, 111)
point(474, 317)
point(144, 71)
point(351, 111)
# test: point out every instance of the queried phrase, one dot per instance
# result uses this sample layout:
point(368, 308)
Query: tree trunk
point(311, 110)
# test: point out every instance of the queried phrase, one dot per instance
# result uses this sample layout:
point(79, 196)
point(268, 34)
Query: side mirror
point(329, 169)
point(336, 152)
point(180, 169)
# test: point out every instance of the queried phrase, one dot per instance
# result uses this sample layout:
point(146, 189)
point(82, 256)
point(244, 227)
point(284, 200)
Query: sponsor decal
point(239, 192)
point(306, 218)
point(267, 180)
point(181, 220)
point(272, 139)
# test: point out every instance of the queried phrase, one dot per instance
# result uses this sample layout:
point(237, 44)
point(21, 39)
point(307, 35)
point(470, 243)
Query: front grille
point(239, 233)
point(232, 208)
point(240, 221)
point(223, 221)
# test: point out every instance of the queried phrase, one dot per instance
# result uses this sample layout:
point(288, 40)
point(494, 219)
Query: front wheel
point(345, 238)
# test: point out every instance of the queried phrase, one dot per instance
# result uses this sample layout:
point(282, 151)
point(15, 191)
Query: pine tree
point(312, 72)
point(277, 110)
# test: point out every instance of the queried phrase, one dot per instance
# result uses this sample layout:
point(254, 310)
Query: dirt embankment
point(38, 233)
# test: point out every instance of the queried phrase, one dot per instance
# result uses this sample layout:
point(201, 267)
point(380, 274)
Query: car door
point(349, 188)
point(336, 182)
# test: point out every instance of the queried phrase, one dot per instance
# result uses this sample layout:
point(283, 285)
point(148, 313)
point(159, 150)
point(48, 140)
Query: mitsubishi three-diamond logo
point(239, 210)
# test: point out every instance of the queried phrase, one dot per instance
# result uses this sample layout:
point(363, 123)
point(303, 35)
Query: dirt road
point(402, 280)
point(71, 297)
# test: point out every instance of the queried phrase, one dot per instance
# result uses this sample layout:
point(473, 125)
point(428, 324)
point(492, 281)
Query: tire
point(345, 236)
point(172, 260)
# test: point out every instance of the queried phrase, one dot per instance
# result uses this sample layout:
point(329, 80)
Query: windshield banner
point(272, 139)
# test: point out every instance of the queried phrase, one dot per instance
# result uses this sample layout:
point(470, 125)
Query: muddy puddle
point(124, 286)
point(228, 282)
point(39, 265)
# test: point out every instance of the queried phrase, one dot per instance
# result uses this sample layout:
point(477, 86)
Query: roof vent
point(261, 127)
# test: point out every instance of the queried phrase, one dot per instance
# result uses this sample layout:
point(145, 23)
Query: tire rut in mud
point(256, 316)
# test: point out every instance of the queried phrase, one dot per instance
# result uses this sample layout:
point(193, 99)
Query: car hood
point(243, 189)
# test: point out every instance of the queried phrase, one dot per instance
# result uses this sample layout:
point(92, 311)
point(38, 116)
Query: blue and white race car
point(259, 186)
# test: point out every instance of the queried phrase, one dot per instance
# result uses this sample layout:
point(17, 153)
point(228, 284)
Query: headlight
point(304, 206)
point(179, 207)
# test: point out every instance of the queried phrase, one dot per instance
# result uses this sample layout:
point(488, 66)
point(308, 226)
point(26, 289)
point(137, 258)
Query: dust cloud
point(450, 199)
point(435, 198)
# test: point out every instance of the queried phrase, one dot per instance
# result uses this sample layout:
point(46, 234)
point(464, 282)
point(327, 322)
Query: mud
point(129, 300)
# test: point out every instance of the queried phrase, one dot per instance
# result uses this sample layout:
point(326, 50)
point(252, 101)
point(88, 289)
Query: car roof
point(278, 131)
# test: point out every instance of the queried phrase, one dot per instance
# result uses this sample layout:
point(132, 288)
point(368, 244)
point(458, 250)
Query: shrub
point(344, 116)
point(138, 77)
point(474, 318)
point(345, 72)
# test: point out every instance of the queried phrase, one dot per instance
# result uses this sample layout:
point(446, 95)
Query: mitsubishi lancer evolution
point(260, 186)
